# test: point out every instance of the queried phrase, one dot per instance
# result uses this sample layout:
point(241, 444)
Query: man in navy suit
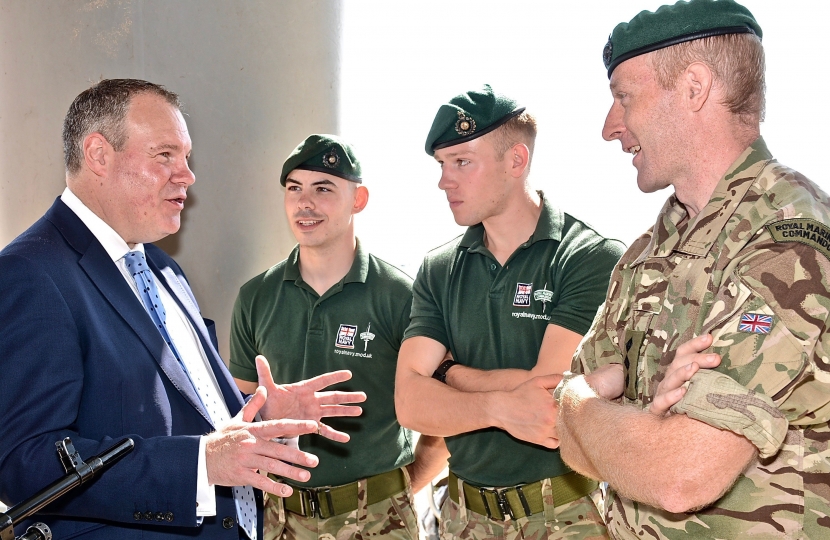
point(80, 356)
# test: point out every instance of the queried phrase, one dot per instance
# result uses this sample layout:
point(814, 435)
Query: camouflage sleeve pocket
point(718, 400)
point(756, 340)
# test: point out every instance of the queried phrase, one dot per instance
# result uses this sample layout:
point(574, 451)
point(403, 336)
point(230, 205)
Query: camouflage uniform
point(753, 269)
point(578, 520)
point(393, 518)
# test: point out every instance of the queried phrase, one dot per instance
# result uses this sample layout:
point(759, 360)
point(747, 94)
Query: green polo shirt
point(492, 317)
point(358, 324)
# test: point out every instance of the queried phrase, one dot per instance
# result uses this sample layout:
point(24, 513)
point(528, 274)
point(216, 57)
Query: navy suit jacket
point(79, 357)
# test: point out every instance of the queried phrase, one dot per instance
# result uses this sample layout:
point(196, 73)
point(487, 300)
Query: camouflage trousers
point(392, 518)
point(579, 519)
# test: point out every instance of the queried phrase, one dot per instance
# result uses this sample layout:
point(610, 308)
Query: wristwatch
point(557, 392)
point(441, 373)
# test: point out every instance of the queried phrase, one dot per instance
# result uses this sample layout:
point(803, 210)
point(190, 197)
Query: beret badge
point(331, 159)
point(465, 125)
point(607, 53)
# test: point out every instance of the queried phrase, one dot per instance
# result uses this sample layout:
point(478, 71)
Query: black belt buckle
point(501, 500)
point(314, 507)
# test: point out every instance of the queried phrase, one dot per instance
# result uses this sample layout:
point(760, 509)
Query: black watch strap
point(441, 373)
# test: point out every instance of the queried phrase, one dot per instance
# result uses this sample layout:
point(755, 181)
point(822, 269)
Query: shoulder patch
point(804, 231)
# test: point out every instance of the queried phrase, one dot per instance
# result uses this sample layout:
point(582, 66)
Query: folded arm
point(428, 406)
point(690, 463)
point(555, 355)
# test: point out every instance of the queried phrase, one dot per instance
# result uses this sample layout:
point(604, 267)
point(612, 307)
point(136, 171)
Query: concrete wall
point(255, 77)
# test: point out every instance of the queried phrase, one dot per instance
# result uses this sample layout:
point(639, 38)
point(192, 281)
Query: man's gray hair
point(102, 109)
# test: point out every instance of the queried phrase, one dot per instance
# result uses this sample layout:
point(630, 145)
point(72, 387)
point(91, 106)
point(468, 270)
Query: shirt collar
point(549, 227)
point(356, 274)
point(673, 232)
point(114, 245)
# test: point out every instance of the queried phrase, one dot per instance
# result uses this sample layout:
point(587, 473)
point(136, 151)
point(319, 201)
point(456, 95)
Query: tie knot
point(135, 262)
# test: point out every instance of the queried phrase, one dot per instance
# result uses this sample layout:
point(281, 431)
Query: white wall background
point(258, 76)
point(255, 77)
point(401, 60)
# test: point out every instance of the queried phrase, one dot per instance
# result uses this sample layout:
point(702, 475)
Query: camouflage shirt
point(753, 269)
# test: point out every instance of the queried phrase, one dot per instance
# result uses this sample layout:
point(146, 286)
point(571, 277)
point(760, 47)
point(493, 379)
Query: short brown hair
point(737, 62)
point(519, 129)
point(102, 109)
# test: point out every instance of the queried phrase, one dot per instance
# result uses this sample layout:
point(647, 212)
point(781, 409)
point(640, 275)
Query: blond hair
point(519, 129)
point(737, 63)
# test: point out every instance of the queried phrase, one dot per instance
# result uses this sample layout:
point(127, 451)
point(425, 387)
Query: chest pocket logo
point(522, 296)
point(345, 336)
point(633, 343)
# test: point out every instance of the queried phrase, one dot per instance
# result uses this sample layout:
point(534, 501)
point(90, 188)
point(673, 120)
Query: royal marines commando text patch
point(804, 231)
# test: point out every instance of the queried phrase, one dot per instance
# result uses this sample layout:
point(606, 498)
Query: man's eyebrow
point(456, 154)
point(166, 146)
point(322, 182)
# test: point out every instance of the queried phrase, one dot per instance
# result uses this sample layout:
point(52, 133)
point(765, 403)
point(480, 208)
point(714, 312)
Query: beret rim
point(676, 40)
point(333, 172)
point(484, 131)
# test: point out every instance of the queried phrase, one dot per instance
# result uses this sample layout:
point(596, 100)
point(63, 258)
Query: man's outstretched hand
point(305, 400)
point(238, 449)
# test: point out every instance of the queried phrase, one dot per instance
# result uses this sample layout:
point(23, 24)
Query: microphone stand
point(77, 472)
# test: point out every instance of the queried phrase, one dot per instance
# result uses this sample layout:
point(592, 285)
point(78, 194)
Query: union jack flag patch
point(755, 323)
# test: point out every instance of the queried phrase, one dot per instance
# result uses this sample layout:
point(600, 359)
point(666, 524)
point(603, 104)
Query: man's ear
point(696, 83)
point(519, 156)
point(97, 152)
point(361, 199)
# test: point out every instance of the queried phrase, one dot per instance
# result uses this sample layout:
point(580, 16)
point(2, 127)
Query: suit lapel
point(183, 296)
point(106, 277)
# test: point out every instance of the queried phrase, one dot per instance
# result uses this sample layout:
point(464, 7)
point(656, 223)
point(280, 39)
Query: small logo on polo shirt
point(367, 336)
point(543, 295)
point(522, 297)
point(345, 336)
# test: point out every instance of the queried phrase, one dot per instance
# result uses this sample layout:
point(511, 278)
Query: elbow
point(685, 495)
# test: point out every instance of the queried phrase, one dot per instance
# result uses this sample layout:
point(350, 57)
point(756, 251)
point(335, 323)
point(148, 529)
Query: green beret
point(469, 116)
point(323, 153)
point(670, 25)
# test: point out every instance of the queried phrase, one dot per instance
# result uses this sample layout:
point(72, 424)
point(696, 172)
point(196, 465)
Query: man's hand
point(237, 450)
point(305, 401)
point(529, 411)
point(687, 361)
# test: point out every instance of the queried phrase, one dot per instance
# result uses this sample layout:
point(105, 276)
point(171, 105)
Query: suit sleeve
point(48, 379)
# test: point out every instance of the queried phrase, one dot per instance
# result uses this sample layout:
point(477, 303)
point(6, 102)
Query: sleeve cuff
point(205, 493)
point(720, 401)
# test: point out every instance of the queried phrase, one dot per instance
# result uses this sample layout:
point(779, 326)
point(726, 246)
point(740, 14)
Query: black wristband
point(440, 374)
